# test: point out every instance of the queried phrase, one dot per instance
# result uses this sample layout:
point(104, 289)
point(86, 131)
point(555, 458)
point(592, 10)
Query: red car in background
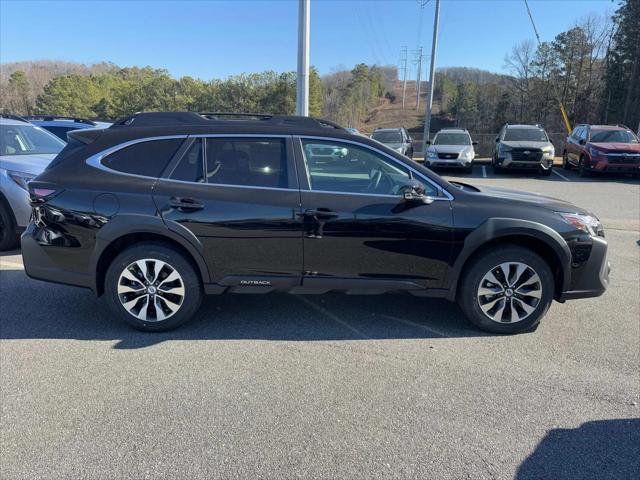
point(602, 148)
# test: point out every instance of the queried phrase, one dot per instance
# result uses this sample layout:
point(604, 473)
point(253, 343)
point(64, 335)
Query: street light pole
point(302, 82)
point(432, 75)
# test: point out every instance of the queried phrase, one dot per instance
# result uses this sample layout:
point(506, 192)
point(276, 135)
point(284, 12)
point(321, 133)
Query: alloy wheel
point(509, 292)
point(151, 290)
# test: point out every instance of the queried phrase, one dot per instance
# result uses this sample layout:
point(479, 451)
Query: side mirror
point(428, 142)
point(474, 143)
point(497, 139)
point(582, 141)
point(414, 192)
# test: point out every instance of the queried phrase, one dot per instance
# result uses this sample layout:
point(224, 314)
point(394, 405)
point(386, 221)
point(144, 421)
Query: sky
point(214, 39)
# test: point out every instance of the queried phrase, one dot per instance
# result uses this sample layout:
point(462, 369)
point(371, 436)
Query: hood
point(551, 203)
point(392, 145)
point(31, 164)
point(526, 144)
point(628, 147)
point(450, 148)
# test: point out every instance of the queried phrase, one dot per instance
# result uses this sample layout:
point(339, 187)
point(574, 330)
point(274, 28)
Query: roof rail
point(51, 118)
point(11, 116)
point(622, 125)
point(149, 119)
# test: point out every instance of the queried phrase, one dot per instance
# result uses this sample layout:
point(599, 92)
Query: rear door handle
point(185, 204)
point(320, 213)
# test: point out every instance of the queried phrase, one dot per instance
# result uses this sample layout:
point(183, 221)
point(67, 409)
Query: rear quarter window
point(145, 158)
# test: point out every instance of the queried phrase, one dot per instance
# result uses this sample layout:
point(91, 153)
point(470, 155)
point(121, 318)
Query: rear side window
point(145, 158)
point(259, 162)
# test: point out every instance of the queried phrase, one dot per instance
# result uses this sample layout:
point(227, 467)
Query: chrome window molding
point(95, 160)
point(446, 196)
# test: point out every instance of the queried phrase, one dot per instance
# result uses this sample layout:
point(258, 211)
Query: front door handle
point(185, 204)
point(320, 213)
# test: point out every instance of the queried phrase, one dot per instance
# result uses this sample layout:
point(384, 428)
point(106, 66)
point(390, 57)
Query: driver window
point(348, 168)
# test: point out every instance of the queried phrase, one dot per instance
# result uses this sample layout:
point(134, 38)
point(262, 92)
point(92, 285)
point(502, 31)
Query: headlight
point(549, 152)
point(503, 149)
point(468, 154)
point(595, 152)
point(399, 149)
point(586, 223)
point(432, 154)
point(22, 179)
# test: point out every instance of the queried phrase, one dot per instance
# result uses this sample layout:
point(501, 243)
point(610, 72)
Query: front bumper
point(593, 278)
point(508, 162)
point(603, 166)
point(455, 163)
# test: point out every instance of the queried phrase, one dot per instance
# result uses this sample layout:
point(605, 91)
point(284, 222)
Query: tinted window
point(343, 167)
point(452, 139)
point(393, 136)
point(191, 166)
point(246, 161)
point(27, 140)
point(60, 132)
point(613, 136)
point(525, 135)
point(145, 158)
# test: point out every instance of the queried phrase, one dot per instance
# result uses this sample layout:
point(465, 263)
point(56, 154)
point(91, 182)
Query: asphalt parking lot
point(330, 386)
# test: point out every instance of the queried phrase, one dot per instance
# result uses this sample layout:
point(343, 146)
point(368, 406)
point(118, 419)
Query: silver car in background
point(25, 151)
point(451, 148)
point(396, 138)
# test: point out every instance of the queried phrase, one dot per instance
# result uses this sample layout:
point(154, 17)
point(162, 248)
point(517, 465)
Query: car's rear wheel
point(506, 290)
point(8, 233)
point(153, 287)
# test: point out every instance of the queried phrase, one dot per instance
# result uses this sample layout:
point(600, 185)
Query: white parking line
point(560, 175)
point(333, 317)
point(484, 171)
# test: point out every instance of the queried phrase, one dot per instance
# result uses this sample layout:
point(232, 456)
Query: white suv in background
point(451, 147)
point(25, 151)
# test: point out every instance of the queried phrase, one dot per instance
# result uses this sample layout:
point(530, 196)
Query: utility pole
point(432, 76)
point(302, 82)
point(419, 78)
point(403, 65)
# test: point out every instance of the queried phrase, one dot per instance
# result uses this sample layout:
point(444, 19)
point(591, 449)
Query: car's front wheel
point(153, 287)
point(506, 290)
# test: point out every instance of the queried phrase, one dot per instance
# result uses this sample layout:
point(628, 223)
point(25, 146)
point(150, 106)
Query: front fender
point(494, 229)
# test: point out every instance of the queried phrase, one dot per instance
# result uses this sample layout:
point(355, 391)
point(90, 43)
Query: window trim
point(95, 160)
point(442, 193)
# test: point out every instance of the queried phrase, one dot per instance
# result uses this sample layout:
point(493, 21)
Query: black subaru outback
point(162, 208)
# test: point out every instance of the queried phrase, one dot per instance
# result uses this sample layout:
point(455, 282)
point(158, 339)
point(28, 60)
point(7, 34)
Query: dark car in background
point(397, 139)
point(523, 147)
point(162, 208)
point(601, 149)
point(60, 126)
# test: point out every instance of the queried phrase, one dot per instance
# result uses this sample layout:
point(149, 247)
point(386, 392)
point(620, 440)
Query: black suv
point(162, 208)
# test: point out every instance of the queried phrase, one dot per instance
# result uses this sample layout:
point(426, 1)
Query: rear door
point(358, 231)
point(239, 196)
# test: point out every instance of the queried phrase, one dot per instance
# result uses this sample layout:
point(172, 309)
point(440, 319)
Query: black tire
point(498, 170)
point(8, 233)
point(582, 171)
point(545, 173)
point(468, 170)
point(565, 161)
point(468, 293)
point(189, 277)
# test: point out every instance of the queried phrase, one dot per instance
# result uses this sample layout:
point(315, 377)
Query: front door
point(357, 227)
point(239, 196)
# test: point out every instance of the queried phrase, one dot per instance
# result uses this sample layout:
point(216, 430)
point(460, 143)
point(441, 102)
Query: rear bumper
point(594, 278)
point(39, 265)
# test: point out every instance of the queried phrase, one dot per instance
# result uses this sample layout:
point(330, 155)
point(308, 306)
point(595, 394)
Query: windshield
point(392, 136)
point(27, 140)
point(452, 139)
point(613, 136)
point(525, 135)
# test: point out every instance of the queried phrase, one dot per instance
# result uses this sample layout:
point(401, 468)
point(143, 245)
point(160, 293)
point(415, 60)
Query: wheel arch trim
point(496, 228)
point(123, 225)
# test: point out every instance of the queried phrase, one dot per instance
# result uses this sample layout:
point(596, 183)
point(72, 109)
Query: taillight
point(42, 192)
